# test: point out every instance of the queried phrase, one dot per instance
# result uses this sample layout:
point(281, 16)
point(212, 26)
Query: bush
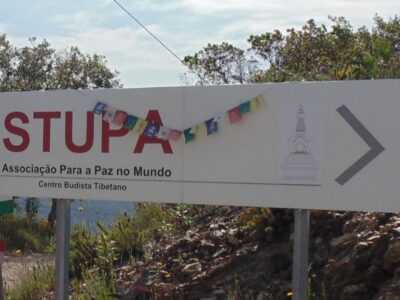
point(34, 285)
point(83, 250)
point(26, 234)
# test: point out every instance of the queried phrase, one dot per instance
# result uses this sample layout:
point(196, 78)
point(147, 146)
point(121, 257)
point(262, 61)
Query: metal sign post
point(2, 260)
point(1, 284)
point(62, 248)
point(300, 253)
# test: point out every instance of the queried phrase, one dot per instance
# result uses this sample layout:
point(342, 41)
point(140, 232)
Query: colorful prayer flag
point(257, 103)
point(151, 130)
point(220, 117)
point(212, 126)
point(234, 115)
point(119, 117)
point(189, 136)
point(196, 129)
point(99, 107)
point(244, 107)
point(174, 135)
point(140, 126)
point(130, 122)
point(163, 133)
point(109, 114)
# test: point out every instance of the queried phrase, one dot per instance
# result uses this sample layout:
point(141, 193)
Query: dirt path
point(16, 266)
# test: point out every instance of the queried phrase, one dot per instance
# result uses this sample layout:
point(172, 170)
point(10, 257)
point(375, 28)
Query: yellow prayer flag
point(140, 126)
point(196, 129)
point(257, 103)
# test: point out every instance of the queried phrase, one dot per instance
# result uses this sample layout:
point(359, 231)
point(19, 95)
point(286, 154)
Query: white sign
point(320, 145)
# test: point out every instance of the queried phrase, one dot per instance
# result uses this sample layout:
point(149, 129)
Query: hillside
point(246, 253)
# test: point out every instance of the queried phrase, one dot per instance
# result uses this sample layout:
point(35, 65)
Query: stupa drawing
point(299, 165)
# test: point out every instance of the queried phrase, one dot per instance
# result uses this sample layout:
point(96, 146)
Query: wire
point(149, 32)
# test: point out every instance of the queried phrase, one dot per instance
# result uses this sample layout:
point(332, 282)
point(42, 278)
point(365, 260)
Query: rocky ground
point(16, 265)
point(352, 256)
point(246, 253)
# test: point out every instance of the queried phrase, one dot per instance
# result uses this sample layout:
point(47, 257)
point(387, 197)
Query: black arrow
point(369, 139)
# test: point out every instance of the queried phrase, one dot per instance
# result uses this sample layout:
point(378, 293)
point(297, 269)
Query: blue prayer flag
point(99, 108)
point(151, 130)
point(244, 107)
point(212, 126)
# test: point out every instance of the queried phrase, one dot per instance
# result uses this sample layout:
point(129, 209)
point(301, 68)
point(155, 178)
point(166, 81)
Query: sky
point(185, 26)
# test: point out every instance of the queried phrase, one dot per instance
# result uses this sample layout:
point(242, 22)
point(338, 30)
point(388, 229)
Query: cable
point(149, 32)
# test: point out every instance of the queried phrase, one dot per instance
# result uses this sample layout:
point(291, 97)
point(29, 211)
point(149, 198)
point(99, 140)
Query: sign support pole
point(1, 283)
point(62, 248)
point(300, 253)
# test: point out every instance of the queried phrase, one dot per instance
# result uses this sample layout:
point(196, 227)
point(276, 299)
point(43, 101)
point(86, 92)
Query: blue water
point(87, 212)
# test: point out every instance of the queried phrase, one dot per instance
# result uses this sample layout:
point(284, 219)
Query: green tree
point(220, 64)
point(41, 67)
point(312, 53)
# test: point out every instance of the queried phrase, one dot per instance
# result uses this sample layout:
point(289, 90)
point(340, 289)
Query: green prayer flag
point(189, 136)
point(6, 207)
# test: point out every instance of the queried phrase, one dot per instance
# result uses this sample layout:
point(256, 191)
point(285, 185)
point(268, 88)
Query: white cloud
point(297, 7)
point(131, 51)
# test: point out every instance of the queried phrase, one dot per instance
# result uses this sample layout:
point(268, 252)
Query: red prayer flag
point(174, 135)
point(234, 115)
point(119, 117)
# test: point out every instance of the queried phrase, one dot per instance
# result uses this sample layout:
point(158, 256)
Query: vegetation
point(311, 53)
point(96, 255)
point(41, 67)
point(25, 233)
point(34, 284)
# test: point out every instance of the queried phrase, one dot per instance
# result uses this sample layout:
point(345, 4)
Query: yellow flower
point(18, 252)
point(289, 294)
point(44, 222)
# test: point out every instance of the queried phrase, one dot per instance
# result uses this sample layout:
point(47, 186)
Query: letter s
point(17, 131)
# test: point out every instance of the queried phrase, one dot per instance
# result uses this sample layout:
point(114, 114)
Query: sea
point(87, 212)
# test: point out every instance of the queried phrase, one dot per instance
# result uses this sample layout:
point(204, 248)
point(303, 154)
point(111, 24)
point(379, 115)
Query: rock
point(355, 292)
point(374, 238)
point(213, 226)
point(261, 296)
point(342, 239)
point(345, 241)
point(219, 293)
point(361, 246)
point(192, 268)
point(219, 252)
point(391, 259)
point(233, 236)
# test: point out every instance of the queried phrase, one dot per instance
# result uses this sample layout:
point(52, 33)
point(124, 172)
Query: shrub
point(34, 284)
point(83, 249)
point(25, 234)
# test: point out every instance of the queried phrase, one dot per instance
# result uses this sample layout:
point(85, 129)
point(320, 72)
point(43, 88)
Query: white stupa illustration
point(299, 166)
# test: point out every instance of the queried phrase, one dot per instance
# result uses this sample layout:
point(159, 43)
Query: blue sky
point(100, 26)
